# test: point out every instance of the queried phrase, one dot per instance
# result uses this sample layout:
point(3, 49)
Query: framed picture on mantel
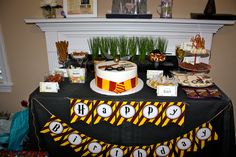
point(80, 8)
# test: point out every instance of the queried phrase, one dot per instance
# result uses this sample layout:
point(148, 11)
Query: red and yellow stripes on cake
point(116, 87)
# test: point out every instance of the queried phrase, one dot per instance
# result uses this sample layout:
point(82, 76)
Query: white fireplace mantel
point(78, 30)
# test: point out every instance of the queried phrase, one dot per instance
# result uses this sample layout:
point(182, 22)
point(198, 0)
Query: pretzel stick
point(104, 66)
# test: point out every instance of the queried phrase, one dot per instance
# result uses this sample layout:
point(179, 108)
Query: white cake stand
point(104, 92)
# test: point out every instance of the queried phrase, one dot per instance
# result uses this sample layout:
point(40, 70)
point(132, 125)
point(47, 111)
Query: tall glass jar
point(166, 9)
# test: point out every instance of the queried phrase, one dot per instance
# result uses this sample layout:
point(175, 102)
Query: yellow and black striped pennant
point(126, 111)
point(95, 147)
point(137, 151)
point(55, 127)
point(173, 112)
point(117, 150)
point(74, 139)
point(104, 111)
point(81, 110)
point(204, 133)
point(149, 112)
point(164, 149)
point(185, 143)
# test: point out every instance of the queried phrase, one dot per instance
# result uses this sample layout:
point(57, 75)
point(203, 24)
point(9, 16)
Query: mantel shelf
point(153, 20)
point(78, 30)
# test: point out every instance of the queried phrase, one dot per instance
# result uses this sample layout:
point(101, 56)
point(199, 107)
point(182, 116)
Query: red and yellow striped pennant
point(138, 151)
point(55, 127)
point(117, 150)
point(164, 149)
point(95, 148)
point(173, 112)
point(185, 143)
point(204, 133)
point(104, 111)
point(81, 110)
point(149, 112)
point(126, 112)
point(74, 139)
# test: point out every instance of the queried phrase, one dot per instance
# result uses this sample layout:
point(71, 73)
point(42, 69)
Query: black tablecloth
point(199, 111)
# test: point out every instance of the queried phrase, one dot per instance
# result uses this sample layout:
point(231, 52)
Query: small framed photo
point(80, 8)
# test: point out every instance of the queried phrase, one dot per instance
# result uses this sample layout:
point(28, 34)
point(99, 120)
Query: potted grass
point(94, 46)
point(113, 44)
point(161, 44)
point(104, 46)
point(150, 44)
point(132, 46)
point(142, 48)
point(122, 46)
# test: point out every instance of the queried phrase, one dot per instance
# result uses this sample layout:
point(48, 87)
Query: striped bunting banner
point(55, 127)
point(149, 112)
point(173, 112)
point(86, 146)
point(81, 110)
point(104, 111)
point(126, 112)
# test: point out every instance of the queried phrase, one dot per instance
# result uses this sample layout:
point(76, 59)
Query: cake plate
point(104, 92)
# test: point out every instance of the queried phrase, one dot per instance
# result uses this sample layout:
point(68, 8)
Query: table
point(219, 111)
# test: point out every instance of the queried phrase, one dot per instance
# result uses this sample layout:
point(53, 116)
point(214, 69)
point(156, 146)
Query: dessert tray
point(196, 80)
point(104, 92)
point(154, 83)
point(190, 54)
point(199, 67)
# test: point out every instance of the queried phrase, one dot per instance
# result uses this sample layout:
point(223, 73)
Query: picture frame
point(80, 8)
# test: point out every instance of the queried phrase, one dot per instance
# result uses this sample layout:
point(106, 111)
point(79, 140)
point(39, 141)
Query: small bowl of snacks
point(156, 57)
point(79, 55)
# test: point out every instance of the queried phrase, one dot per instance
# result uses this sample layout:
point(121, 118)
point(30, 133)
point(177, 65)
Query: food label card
point(49, 87)
point(167, 91)
point(191, 60)
point(77, 75)
point(153, 73)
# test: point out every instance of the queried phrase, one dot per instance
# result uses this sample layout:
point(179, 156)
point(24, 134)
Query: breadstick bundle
point(62, 51)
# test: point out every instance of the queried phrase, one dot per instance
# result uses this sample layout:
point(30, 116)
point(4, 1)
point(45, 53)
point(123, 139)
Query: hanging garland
point(118, 112)
point(192, 141)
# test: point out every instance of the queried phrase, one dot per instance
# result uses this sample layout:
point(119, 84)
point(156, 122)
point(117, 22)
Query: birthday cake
point(116, 77)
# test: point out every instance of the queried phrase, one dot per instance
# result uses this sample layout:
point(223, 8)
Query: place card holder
point(49, 87)
point(77, 75)
point(170, 91)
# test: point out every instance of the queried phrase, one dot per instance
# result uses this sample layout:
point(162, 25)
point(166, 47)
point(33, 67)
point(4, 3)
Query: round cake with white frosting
point(116, 77)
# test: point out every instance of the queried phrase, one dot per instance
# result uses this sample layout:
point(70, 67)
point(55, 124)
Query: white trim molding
point(5, 83)
point(78, 30)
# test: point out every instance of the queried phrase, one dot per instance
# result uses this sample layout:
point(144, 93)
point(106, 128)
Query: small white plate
point(94, 87)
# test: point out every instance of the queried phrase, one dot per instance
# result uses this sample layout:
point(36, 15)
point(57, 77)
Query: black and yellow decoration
point(118, 112)
point(84, 145)
point(81, 110)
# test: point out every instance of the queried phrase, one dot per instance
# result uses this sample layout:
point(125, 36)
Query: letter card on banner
point(74, 139)
point(173, 112)
point(81, 110)
point(150, 112)
point(127, 112)
point(55, 127)
point(104, 111)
